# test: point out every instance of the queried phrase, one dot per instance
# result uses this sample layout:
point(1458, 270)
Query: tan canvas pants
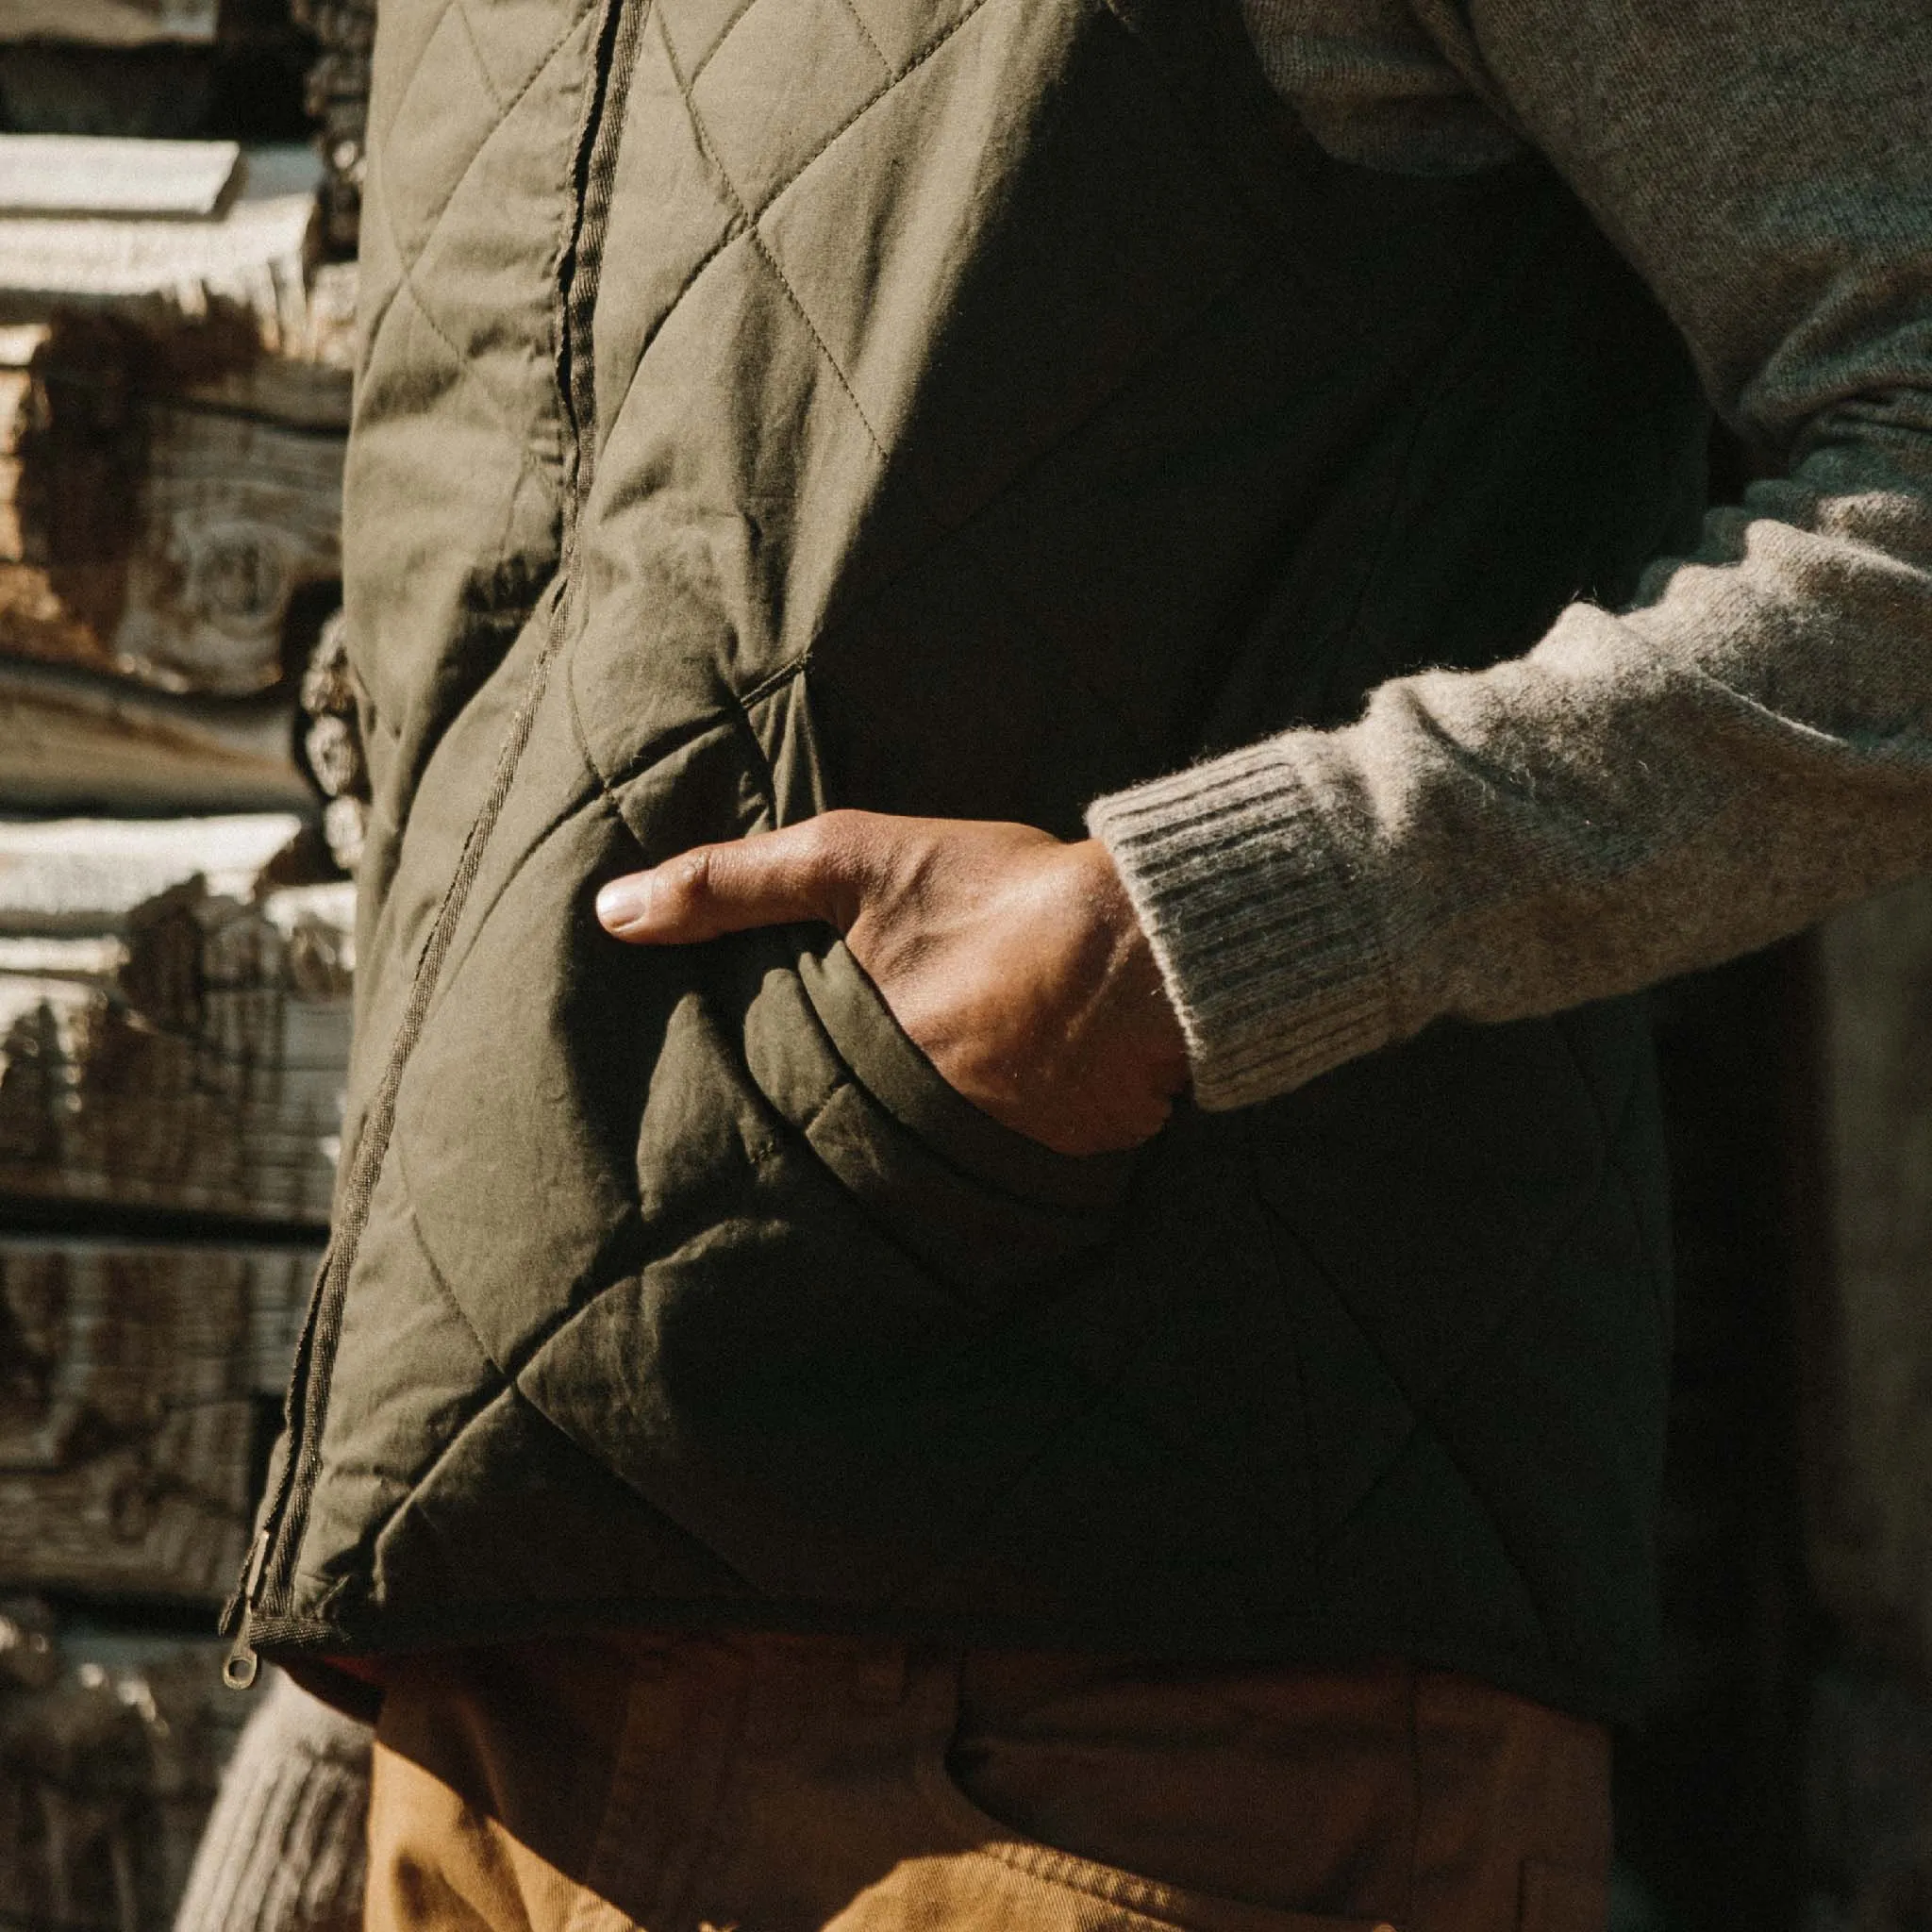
point(795, 1784)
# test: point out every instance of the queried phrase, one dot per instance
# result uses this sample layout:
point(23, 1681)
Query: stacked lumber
point(175, 937)
point(172, 1035)
point(110, 1755)
point(171, 412)
point(70, 742)
point(138, 1380)
point(173, 1026)
point(130, 246)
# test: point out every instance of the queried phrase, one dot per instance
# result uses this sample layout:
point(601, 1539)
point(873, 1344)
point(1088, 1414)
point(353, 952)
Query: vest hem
point(1615, 1693)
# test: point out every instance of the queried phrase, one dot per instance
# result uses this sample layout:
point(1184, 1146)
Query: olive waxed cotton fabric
point(961, 407)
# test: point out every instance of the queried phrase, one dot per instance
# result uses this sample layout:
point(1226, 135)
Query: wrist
point(1262, 913)
point(1134, 985)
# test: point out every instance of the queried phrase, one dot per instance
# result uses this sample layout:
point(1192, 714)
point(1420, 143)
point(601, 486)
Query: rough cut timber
point(173, 398)
point(154, 522)
point(110, 22)
point(251, 259)
point(166, 1040)
point(78, 175)
point(137, 1383)
point(106, 1777)
point(234, 517)
point(70, 742)
point(90, 877)
point(1870, 1450)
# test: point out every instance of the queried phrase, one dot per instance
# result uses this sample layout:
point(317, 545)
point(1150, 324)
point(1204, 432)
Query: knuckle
point(834, 834)
point(815, 836)
point(833, 854)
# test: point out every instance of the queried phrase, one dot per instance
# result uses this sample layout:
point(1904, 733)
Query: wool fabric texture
point(1746, 747)
point(284, 1850)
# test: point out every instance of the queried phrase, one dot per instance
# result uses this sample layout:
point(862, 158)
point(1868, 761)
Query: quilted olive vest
point(959, 407)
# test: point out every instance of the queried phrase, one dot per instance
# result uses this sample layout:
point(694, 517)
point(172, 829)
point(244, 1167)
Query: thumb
point(771, 879)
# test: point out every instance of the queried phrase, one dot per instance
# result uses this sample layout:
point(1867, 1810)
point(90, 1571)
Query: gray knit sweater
point(1751, 745)
point(283, 1850)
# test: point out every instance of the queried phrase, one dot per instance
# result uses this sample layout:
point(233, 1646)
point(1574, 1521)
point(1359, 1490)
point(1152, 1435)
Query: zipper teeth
point(270, 1583)
point(372, 1144)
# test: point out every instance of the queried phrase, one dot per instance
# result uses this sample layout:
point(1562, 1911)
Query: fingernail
point(624, 902)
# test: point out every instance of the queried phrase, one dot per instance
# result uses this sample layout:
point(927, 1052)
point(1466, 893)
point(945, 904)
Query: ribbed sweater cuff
point(1256, 919)
point(284, 1849)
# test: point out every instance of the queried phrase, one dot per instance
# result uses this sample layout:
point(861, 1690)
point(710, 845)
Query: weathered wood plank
point(84, 877)
point(247, 263)
point(74, 743)
point(106, 1777)
point(251, 258)
point(151, 524)
point(234, 518)
point(92, 175)
point(177, 1045)
point(1870, 1450)
point(110, 22)
point(174, 396)
point(135, 1379)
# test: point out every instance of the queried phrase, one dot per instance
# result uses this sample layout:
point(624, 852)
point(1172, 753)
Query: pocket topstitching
point(1088, 1896)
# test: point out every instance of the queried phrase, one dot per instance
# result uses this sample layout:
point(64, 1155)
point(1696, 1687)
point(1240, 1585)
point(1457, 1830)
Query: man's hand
point(1015, 961)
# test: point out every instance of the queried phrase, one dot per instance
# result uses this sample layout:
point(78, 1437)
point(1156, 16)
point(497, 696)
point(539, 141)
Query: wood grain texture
point(74, 743)
point(232, 520)
point(88, 877)
point(245, 266)
point(1869, 1457)
point(106, 1777)
point(185, 1050)
point(92, 175)
point(250, 258)
point(136, 1383)
point(156, 521)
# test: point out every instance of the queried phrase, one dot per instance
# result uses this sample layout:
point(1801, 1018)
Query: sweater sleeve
point(283, 1850)
point(1748, 746)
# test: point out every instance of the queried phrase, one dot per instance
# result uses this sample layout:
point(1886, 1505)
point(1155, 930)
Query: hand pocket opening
point(979, 1202)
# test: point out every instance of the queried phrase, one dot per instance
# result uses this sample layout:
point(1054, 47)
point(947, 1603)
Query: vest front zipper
point(261, 1601)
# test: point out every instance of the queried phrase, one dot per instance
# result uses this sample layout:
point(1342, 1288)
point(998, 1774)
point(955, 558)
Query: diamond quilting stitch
point(409, 259)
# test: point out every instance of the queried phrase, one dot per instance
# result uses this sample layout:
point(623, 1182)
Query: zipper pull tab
point(239, 1670)
point(241, 1664)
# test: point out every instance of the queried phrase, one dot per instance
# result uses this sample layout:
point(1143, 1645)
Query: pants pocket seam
point(1169, 1907)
